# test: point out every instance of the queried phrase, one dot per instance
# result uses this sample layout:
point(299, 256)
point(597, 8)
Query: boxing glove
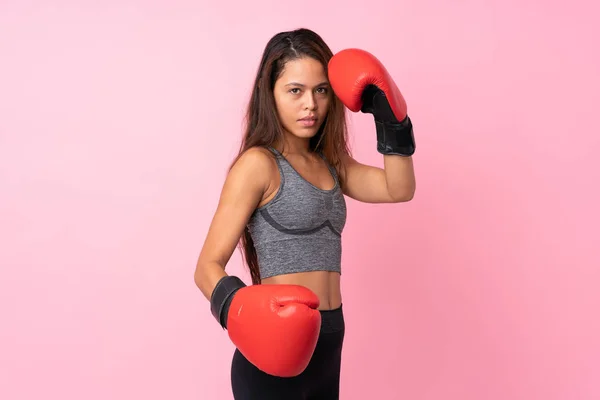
point(363, 84)
point(276, 327)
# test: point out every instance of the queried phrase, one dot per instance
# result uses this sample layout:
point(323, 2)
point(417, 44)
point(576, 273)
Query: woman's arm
point(394, 183)
point(244, 187)
point(363, 84)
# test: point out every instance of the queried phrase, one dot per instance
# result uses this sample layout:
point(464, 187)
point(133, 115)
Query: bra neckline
point(335, 181)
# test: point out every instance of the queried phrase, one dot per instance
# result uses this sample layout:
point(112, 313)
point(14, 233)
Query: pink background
point(118, 120)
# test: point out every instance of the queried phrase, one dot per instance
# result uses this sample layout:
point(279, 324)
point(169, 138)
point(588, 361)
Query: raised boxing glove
point(363, 84)
point(276, 327)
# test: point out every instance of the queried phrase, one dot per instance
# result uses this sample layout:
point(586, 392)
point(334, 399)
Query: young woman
point(283, 200)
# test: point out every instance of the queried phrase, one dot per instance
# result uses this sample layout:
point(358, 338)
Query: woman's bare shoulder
point(255, 160)
point(256, 163)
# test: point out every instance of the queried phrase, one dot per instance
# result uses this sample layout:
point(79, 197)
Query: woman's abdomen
point(325, 284)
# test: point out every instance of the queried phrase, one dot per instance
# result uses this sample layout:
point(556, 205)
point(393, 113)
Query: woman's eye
point(322, 90)
point(295, 91)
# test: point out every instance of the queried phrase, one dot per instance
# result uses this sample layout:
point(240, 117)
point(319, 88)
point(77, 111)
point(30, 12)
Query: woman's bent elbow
point(403, 196)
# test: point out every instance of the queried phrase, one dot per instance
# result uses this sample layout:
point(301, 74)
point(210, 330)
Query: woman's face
point(302, 96)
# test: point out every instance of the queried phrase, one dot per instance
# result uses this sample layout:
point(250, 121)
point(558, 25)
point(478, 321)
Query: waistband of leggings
point(332, 320)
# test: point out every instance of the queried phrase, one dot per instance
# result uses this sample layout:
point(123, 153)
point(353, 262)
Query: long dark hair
point(262, 125)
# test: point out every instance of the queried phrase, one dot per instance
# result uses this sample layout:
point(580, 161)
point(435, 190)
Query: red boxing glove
point(276, 327)
point(362, 83)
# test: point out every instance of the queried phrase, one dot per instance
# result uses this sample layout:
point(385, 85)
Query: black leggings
point(320, 380)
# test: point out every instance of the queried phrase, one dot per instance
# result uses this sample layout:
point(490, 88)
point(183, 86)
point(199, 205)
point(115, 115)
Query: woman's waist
point(324, 284)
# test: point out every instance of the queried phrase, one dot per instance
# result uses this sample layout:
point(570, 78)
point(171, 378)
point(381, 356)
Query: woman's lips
point(308, 121)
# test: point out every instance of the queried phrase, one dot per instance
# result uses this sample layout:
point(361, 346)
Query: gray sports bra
point(299, 230)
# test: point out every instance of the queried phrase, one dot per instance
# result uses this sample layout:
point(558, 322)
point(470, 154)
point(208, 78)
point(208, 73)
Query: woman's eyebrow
point(302, 85)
